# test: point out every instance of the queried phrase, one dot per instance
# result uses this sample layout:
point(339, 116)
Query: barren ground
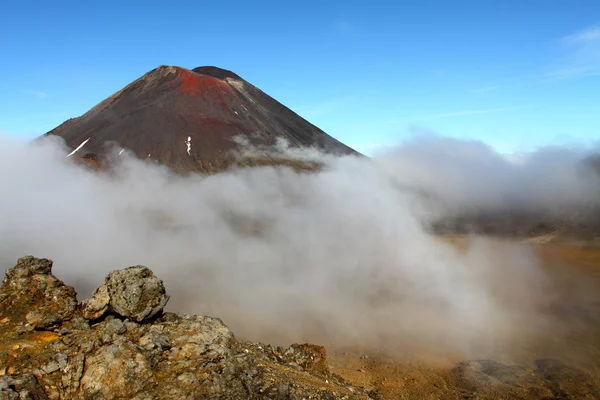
point(414, 374)
point(573, 265)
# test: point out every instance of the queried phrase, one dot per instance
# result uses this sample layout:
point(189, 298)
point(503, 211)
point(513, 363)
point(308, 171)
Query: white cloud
point(570, 73)
point(587, 35)
point(581, 56)
point(342, 255)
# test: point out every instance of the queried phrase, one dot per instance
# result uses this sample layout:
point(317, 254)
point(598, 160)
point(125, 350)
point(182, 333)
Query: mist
point(340, 256)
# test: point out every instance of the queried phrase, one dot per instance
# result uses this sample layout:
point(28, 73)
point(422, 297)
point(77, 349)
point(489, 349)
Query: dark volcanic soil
point(186, 119)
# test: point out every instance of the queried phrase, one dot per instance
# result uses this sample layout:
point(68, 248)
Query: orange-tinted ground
point(575, 267)
point(577, 270)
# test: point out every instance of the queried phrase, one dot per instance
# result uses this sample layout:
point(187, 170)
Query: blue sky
point(515, 74)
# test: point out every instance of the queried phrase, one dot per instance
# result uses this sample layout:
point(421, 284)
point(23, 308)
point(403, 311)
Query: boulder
point(134, 293)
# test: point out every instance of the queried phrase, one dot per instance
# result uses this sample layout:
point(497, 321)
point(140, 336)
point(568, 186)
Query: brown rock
point(96, 306)
point(30, 293)
point(309, 357)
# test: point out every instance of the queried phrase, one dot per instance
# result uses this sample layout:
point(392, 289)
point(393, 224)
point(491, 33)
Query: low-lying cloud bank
point(341, 256)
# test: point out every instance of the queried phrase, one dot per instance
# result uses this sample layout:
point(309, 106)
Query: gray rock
point(115, 327)
point(51, 367)
point(62, 360)
point(24, 386)
point(115, 371)
point(86, 347)
point(79, 323)
point(72, 373)
point(196, 335)
point(133, 292)
point(27, 267)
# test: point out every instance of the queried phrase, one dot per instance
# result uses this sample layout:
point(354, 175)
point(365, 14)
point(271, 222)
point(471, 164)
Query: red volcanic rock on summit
point(186, 118)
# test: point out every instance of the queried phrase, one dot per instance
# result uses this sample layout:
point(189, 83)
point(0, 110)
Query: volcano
point(189, 119)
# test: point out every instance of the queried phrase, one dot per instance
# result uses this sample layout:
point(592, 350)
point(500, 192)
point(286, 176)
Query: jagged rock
point(24, 386)
point(154, 343)
point(69, 368)
point(133, 292)
point(97, 305)
point(309, 357)
point(168, 356)
point(30, 286)
point(115, 371)
point(115, 327)
point(194, 336)
point(27, 267)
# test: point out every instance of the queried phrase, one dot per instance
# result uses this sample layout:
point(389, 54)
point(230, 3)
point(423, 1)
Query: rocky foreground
point(120, 344)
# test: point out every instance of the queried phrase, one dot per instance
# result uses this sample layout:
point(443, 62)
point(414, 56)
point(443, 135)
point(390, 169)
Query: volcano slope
point(189, 120)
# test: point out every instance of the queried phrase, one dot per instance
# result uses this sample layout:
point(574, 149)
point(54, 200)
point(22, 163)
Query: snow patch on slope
point(188, 143)
point(78, 147)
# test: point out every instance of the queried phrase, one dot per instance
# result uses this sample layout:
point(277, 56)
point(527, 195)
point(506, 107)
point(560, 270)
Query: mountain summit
point(185, 119)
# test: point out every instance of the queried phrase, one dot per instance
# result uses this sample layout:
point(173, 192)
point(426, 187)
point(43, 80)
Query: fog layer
point(340, 256)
